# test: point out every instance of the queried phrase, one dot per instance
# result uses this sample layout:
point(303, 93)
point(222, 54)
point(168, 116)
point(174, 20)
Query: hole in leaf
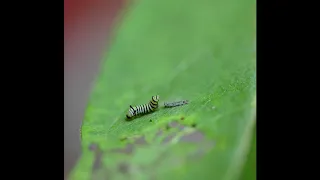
point(168, 138)
point(98, 157)
point(127, 150)
point(124, 168)
point(141, 141)
point(173, 124)
point(196, 136)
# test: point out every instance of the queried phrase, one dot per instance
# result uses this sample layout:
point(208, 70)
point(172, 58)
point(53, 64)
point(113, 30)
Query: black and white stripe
point(144, 108)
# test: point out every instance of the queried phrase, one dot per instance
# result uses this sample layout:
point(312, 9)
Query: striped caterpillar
point(144, 108)
point(174, 104)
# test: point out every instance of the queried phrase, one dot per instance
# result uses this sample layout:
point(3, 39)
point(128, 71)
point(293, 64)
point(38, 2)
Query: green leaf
point(249, 171)
point(202, 51)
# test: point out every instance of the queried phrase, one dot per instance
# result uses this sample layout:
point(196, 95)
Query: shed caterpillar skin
point(174, 104)
point(144, 108)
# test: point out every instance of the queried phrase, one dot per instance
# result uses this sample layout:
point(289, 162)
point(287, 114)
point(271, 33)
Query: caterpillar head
point(156, 98)
point(131, 112)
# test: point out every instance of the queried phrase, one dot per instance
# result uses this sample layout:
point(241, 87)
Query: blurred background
point(87, 27)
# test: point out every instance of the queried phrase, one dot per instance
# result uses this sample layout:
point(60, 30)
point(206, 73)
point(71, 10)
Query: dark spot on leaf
point(123, 139)
point(93, 147)
point(193, 125)
point(150, 120)
point(182, 118)
point(123, 168)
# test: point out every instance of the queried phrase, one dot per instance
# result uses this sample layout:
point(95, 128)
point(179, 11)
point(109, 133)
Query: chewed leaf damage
point(174, 136)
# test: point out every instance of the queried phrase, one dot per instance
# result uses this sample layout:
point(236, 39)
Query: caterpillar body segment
point(144, 108)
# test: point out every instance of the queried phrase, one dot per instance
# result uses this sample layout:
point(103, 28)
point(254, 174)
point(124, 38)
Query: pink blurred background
point(87, 27)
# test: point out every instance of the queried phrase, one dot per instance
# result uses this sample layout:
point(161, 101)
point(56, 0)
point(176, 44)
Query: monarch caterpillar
point(144, 108)
point(177, 103)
